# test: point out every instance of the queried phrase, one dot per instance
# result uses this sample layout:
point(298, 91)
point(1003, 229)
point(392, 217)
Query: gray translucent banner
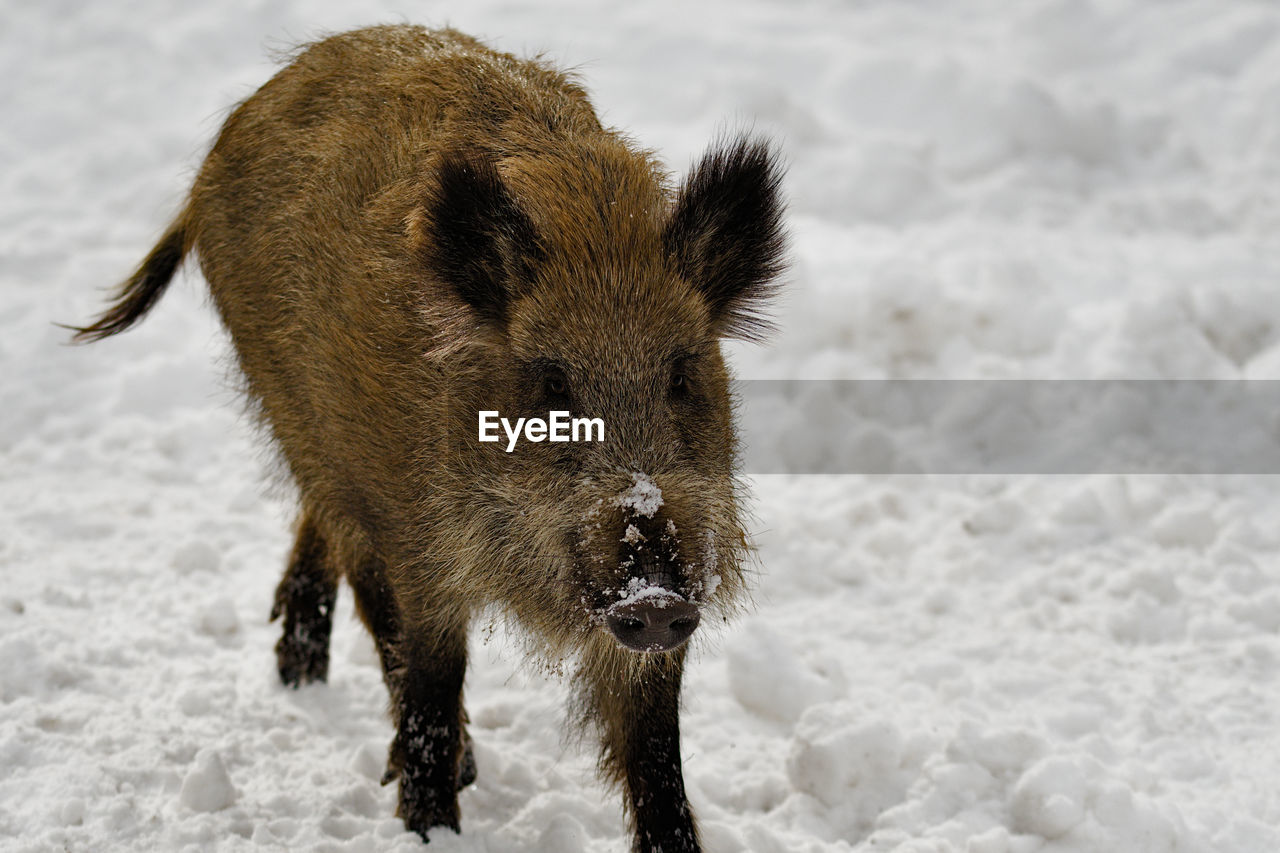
point(1009, 427)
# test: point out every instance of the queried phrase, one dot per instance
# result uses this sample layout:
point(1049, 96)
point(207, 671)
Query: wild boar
point(404, 229)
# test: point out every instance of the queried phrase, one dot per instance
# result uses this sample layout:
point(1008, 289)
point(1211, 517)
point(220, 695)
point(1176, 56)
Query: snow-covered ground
point(981, 664)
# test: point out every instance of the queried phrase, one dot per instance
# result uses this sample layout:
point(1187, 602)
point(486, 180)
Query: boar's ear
point(475, 237)
point(725, 234)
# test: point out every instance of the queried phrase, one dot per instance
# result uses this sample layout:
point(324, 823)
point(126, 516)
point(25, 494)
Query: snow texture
point(632, 535)
point(1070, 189)
point(639, 589)
point(644, 498)
point(207, 787)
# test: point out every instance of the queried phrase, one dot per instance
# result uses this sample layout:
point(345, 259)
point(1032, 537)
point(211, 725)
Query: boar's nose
point(656, 622)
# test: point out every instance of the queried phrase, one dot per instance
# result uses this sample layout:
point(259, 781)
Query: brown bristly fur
point(403, 228)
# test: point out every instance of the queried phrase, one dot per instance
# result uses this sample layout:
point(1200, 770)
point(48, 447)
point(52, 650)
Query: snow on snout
point(639, 589)
point(644, 498)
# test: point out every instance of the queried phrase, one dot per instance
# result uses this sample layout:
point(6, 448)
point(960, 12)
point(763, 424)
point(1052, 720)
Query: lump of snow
point(768, 678)
point(28, 669)
point(1146, 619)
point(831, 753)
point(369, 760)
point(857, 767)
point(999, 516)
point(219, 618)
point(1049, 799)
point(195, 556)
point(644, 498)
point(1262, 612)
point(1185, 527)
point(72, 812)
point(194, 702)
point(1000, 752)
point(207, 787)
point(994, 840)
point(564, 834)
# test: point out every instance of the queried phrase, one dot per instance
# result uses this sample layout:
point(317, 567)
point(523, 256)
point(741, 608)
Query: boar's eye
point(682, 385)
point(555, 384)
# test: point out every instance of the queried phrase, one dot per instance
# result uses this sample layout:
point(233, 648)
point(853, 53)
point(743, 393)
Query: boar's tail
point(139, 293)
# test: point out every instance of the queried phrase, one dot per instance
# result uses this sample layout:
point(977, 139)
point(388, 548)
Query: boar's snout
point(656, 620)
point(653, 615)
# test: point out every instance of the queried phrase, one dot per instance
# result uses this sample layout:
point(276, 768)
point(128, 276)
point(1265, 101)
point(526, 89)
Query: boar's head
point(586, 284)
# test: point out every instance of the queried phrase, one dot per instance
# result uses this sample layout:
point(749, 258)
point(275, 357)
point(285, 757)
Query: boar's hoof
point(302, 659)
point(467, 771)
point(423, 808)
point(652, 623)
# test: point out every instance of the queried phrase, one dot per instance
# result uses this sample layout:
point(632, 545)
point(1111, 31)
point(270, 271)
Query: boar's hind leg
point(305, 598)
point(639, 721)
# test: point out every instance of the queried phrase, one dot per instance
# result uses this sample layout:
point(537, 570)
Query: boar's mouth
point(652, 619)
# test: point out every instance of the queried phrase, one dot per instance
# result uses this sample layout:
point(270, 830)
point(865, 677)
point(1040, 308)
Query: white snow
point(632, 535)
point(207, 787)
point(1060, 189)
point(638, 589)
point(644, 498)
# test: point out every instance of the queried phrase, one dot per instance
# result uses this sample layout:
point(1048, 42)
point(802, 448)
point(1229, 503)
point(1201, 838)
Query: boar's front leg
point(377, 608)
point(638, 708)
point(428, 751)
point(376, 604)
